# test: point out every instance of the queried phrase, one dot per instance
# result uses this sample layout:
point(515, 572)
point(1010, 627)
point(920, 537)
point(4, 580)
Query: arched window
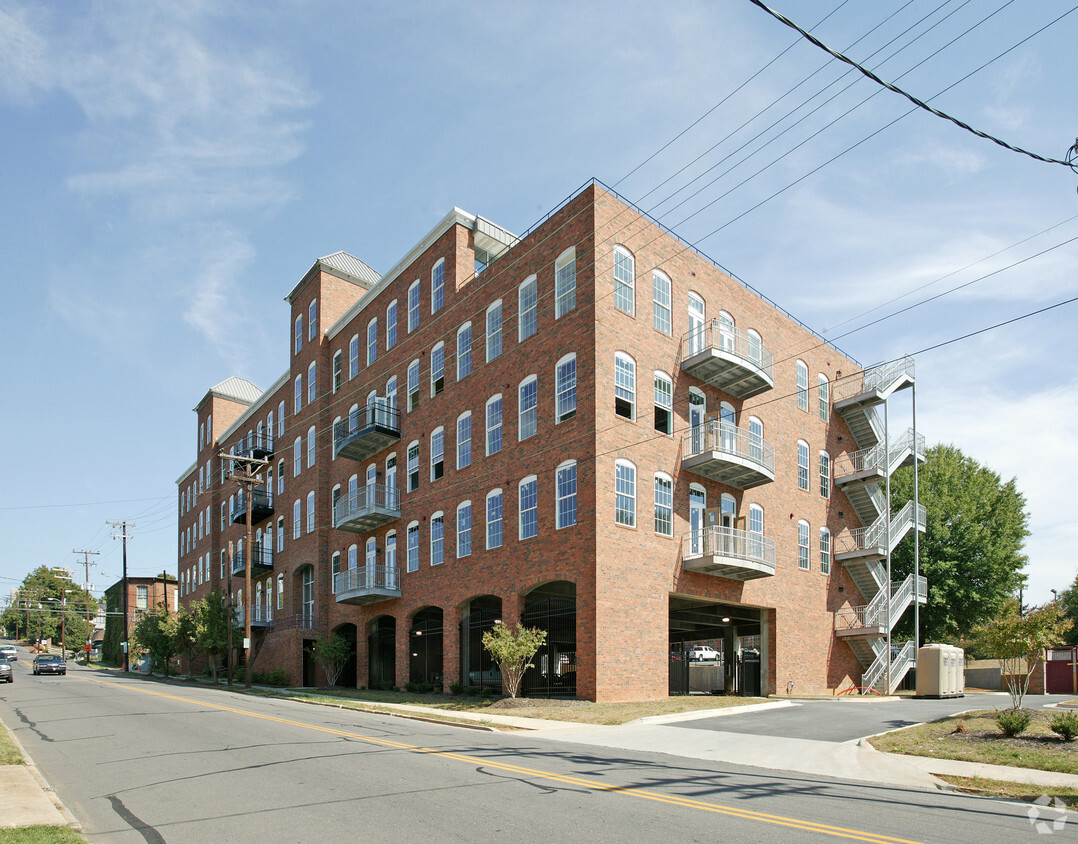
point(824, 387)
point(624, 280)
point(412, 548)
point(280, 591)
point(528, 491)
point(565, 283)
point(527, 308)
point(494, 424)
point(664, 504)
point(338, 374)
point(726, 331)
point(802, 385)
point(825, 474)
point(756, 531)
point(464, 529)
point(299, 333)
point(624, 385)
point(802, 465)
point(297, 457)
point(660, 293)
point(464, 439)
point(391, 559)
point(413, 466)
point(494, 330)
point(312, 383)
point(307, 596)
point(437, 286)
point(353, 556)
point(625, 493)
point(310, 512)
point(437, 368)
point(312, 320)
point(437, 538)
point(391, 324)
point(298, 396)
point(696, 335)
point(372, 341)
point(803, 545)
point(311, 443)
point(756, 439)
point(464, 351)
point(297, 519)
point(413, 385)
point(494, 519)
point(528, 416)
point(353, 357)
point(258, 601)
point(437, 453)
point(565, 389)
point(269, 599)
point(565, 493)
point(664, 403)
point(825, 551)
point(413, 306)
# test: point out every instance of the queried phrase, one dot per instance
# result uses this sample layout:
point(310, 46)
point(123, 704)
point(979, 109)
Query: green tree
point(212, 615)
point(1018, 641)
point(333, 655)
point(156, 632)
point(56, 604)
point(1069, 598)
point(186, 643)
point(971, 552)
point(513, 650)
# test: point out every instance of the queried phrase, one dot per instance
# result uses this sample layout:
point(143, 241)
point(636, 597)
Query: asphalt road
point(138, 760)
point(838, 721)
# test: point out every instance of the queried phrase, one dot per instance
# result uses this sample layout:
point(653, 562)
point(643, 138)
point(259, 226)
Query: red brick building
point(592, 429)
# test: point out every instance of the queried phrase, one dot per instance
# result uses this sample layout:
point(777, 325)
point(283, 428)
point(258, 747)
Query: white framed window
point(494, 519)
point(370, 556)
point(437, 453)
point(412, 546)
point(661, 301)
point(528, 491)
point(310, 512)
point(756, 531)
point(802, 465)
point(527, 308)
point(565, 389)
point(437, 286)
point(297, 519)
point(664, 403)
point(437, 369)
point(280, 591)
point(824, 387)
point(413, 466)
point(464, 529)
point(726, 331)
point(494, 330)
point(624, 280)
point(625, 493)
point(280, 534)
point(437, 538)
point(391, 324)
point(413, 385)
point(697, 314)
point(337, 373)
point(756, 439)
point(299, 333)
point(494, 424)
point(624, 385)
point(755, 346)
point(802, 385)
point(528, 417)
point(391, 558)
point(297, 457)
point(372, 341)
point(825, 551)
point(353, 357)
point(413, 306)
point(298, 405)
point(312, 383)
point(803, 545)
point(312, 320)
point(310, 447)
point(565, 494)
point(565, 283)
point(664, 504)
point(334, 498)
point(464, 351)
point(825, 474)
point(464, 439)
point(391, 392)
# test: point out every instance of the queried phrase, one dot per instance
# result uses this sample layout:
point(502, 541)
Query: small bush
point(456, 688)
point(276, 677)
point(1014, 722)
point(387, 687)
point(472, 690)
point(487, 691)
point(1065, 724)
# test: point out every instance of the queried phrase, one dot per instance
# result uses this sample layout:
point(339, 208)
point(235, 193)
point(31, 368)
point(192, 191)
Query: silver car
point(7, 674)
point(9, 653)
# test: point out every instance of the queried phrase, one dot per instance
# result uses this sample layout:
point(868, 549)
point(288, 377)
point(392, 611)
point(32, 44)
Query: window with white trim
point(803, 545)
point(565, 283)
point(412, 550)
point(464, 529)
point(437, 369)
point(625, 493)
point(825, 474)
point(413, 385)
point(756, 531)
point(661, 301)
point(297, 457)
point(802, 385)
point(494, 330)
point(624, 280)
point(664, 504)
point(280, 419)
point(298, 405)
point(310, 447)
point(824, 389)
point(299, 333)
point(565, 389)
point(297, 519)
point(312, 320)
point(312, 383)
point(528, 415)
point(391, 557)
point(624, 385)
point(413, 466)
point(437, 286)
point(372, 341)
point(464, 351)
point(337, 374)
point(413, 306)
point(494, 519)
point(825, 551)
point(527, 308)
point(391, 325)
point(310, 512)
point(353, 357)
point(494, 424)
point(437, 453)
point(464, 439)
point(280, 534)
point(664, 403)
point(565, 494)
point(802, 465)
point(528, 491)
point(437, 538)
point(280, 591)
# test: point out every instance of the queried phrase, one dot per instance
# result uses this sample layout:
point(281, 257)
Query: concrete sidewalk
point(26, 799)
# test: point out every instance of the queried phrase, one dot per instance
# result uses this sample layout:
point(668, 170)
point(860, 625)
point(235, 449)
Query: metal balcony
point(728, 455)
point(364, 509)
point(728, 552)
point(729, 359)
point(871, 619)
point(366, 584)
point(258, 619)
point(872, 542)
point(856, 397)
point(258, 445)
point(261, 509)
point(262, 561)
point(367, 431)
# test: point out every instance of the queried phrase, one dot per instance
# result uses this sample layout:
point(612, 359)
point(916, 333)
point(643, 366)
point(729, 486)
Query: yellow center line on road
point(631, 791)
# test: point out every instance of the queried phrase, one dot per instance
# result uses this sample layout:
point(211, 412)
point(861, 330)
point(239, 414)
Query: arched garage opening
point(348, 674)
point(382, 652)
point(425, 647)
point(477, 667)
point(552, 607)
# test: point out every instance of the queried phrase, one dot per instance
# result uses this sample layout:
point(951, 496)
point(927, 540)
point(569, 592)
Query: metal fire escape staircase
point(860, 475)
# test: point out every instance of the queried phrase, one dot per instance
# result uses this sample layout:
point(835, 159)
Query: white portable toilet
point(939, 670)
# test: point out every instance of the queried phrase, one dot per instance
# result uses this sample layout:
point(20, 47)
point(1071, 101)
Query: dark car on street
point(49, 664)
point(7, 675)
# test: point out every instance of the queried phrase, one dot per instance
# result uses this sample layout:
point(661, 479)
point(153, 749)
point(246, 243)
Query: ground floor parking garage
point(717, 648)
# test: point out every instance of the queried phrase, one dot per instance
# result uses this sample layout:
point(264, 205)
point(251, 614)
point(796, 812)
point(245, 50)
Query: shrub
point(276, 677)
point(456, 688)
point(411, 687)
point(472, 690)
point(1014, 722)
point(1065, 724)
point(387, 687)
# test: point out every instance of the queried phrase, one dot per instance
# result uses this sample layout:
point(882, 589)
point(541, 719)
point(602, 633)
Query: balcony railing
point(258, 444)
point(872, 538)
point(367, 430)
point(871, 459)
point(258, 618)
point(262, 506)
point(366, 508)
point(728, 552)
point(263, 560)
point(873, 615)
point(728, 454)
point(728, 358)
point(366, 584)
point(880, 377)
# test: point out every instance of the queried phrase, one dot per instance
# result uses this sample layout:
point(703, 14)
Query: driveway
point(846, 720)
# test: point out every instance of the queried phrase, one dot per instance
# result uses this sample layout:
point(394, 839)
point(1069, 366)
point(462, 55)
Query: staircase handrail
point(877, 377)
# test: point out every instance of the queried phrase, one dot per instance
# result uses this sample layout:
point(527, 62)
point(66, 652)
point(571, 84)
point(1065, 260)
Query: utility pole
point(124, 525)
point(86, 585)
point(247, 472)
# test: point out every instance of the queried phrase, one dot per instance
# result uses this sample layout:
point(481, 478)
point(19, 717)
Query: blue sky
point(171, 170)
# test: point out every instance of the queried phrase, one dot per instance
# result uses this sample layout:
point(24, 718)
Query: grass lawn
point(1020, 791)
point(9, 753)
point(578, 711)
point(979, 739)
point(41, 835)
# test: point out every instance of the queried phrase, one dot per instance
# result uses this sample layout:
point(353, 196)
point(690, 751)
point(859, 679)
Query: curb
point(39, 778)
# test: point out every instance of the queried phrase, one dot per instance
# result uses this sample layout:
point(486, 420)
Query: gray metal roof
point(351, 265)
point(237, 388)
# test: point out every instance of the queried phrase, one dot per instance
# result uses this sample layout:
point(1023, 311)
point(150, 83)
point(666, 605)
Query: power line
point(1069, 162)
